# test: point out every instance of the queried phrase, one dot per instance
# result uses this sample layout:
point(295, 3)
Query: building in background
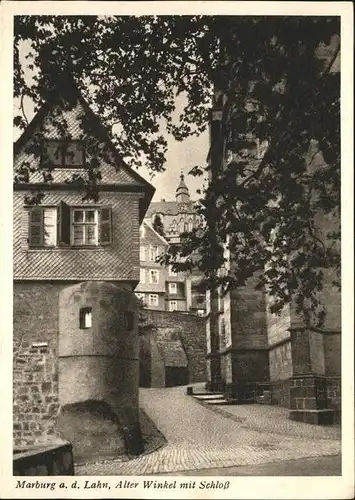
point(175, 218)
point(160, 288)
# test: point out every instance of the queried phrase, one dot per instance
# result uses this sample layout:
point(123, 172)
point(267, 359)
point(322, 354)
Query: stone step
point(206, 393)
point(206, 397)
point(217, 398)
point(220, 402)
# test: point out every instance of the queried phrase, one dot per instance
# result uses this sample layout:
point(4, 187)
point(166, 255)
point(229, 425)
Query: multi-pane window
point(153, 276)
point(60, 153)
point(67, 226)
point(142, 253)
point(153, 299)
point(171, 271)
point(172, 288)
point(153, 253)
point(84, 227)
point(173, 305)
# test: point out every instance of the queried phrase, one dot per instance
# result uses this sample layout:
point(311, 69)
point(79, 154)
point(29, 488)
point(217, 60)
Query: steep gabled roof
point(156, 234)
point(67, 82)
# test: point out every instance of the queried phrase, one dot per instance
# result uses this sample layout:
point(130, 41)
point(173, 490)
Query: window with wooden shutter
point(49, 227)
point(63, 224)
point(66, 225)
point(105, 237)
point(42, 227)
point(35, 233)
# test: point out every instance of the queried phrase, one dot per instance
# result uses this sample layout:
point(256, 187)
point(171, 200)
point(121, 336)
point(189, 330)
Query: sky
point(181, 156)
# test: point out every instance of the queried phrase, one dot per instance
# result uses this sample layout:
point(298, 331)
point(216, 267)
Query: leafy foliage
point(274, 162)
point(158, 225)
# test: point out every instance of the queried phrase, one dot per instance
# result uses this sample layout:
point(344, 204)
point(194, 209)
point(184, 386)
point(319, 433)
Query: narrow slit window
point(85, 318)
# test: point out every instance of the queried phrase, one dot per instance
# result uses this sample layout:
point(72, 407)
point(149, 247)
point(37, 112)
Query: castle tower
point(182, 192)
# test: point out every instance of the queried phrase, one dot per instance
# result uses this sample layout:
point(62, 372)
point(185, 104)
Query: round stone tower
point(99, 369)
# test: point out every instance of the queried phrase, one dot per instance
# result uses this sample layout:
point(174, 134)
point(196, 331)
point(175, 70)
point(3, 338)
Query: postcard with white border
point(177, 266)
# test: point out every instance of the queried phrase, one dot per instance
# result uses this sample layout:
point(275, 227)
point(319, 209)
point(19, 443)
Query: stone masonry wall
point(332, 354)
point(191, 329)
point(35, 369)
point(280, 390)
point(277, 324)
point(35, 361)
point(334, 396)
point(248, 321)
point(35, 396)
point(280, 362)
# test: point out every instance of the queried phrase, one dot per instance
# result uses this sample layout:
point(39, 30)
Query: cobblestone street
point(202, 438)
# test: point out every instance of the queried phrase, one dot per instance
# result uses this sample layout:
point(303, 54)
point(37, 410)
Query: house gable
point(64, 119)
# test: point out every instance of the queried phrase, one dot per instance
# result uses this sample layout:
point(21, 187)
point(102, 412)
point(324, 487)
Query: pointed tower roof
point(182, 191)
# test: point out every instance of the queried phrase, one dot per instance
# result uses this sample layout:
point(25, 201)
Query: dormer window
point(64, 154)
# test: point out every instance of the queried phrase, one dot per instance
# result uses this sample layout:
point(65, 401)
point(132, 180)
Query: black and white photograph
point(181, 307)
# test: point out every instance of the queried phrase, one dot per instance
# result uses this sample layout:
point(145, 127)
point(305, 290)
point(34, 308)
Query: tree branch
point(22, 109)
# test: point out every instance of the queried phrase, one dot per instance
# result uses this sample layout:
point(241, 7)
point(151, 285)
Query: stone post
point(308, 392)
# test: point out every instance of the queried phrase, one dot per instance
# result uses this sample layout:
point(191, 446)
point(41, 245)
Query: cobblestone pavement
point(274, 419)
point(201, 438)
